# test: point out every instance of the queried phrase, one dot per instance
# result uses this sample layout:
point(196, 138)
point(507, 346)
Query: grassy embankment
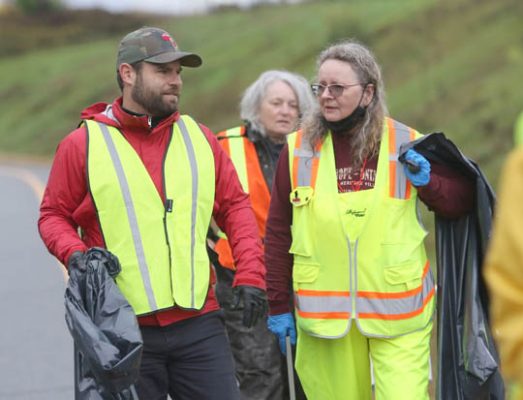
point(451, 66)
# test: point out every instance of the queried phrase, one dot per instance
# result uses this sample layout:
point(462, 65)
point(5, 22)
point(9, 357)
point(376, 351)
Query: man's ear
point(127, 74)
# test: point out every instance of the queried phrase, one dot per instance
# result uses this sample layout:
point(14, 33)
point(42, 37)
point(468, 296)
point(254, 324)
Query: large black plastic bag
point(468, 362)
point(108, 343)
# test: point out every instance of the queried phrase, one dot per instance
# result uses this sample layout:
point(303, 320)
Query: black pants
point(189, 360)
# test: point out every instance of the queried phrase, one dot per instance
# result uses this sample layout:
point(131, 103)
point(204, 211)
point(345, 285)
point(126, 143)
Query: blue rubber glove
point(421, 177)
point(282, 325)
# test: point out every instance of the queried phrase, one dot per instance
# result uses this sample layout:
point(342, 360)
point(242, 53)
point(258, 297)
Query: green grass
point(449, 65)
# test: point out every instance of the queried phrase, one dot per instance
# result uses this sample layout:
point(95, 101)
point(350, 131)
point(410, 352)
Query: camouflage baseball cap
point(153, 45)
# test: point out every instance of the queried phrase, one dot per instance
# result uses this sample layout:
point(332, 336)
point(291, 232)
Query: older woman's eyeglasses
point(336, 89)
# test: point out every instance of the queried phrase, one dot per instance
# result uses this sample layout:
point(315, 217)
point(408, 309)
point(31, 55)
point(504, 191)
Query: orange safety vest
point(245, 159)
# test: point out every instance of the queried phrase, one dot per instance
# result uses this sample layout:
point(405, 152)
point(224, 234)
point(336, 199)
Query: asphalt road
point(36, 349)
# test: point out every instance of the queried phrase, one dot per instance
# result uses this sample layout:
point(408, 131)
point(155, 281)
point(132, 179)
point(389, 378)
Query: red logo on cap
point(167, 38)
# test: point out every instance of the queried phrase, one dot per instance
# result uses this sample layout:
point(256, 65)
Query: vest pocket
point(304, 271)
point(400, 222)
point(408, 274)
point(299, 247)
point(301, 232)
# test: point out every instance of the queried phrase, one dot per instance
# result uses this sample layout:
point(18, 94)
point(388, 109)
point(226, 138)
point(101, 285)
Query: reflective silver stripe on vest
point(305, 155)
point(131, 215)
point(324, 304)
point(194, 174)
point(402, 136)
point(397, 306)
point(391, 306)
point(238, 156)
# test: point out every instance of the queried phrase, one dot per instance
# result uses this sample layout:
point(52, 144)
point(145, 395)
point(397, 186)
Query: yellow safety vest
point(161, 247)
point(358, 255)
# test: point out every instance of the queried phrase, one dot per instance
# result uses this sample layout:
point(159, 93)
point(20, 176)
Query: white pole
point(290, 369)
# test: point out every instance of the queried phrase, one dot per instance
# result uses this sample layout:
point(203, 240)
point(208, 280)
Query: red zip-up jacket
point(67, 204)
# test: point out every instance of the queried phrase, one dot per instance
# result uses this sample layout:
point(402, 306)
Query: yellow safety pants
point(339, 369)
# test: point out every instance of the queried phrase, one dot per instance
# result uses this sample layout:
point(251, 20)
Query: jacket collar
point(252, 134)
point(114, 115)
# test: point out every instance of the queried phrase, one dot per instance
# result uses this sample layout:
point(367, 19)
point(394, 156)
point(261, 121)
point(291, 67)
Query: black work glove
point(254, 302)
point(103, 257)
point(77, 261)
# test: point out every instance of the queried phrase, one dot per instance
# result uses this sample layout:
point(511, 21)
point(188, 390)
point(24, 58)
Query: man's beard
point(152, 102)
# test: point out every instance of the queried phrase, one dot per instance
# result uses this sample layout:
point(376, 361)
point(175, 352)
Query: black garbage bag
point(468, 362)
point(107, 339)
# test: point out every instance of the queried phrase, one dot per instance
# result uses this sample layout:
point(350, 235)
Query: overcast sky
point(160, 6)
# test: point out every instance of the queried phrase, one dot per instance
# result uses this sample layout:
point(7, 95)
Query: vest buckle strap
point(301, 195)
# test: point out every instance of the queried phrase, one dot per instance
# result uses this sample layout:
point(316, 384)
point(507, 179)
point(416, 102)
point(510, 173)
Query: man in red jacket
point(142, 181)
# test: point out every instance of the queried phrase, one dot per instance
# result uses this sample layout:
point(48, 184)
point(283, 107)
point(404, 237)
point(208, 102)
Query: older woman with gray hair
point(271, 89)
point(343, 231)
point(270, 108)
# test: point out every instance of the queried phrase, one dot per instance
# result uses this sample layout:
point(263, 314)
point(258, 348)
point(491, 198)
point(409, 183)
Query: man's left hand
point(254, 302)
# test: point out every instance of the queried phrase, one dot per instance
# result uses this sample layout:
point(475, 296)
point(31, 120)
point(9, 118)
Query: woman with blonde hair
point(343, 231)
